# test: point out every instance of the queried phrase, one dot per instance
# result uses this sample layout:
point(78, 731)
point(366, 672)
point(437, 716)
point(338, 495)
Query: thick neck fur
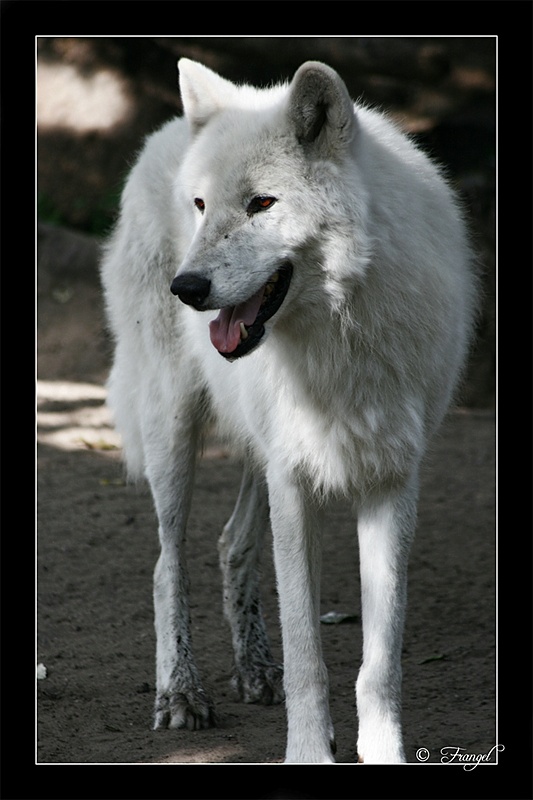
point(344, 409)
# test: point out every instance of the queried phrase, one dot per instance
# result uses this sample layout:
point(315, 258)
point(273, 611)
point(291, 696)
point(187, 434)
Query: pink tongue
point(225, 330)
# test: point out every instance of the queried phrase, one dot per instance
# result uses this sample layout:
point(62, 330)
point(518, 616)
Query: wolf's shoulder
point(148, 188)
point(163, 148)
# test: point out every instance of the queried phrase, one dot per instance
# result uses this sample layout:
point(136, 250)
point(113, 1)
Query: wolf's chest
point(340, 446)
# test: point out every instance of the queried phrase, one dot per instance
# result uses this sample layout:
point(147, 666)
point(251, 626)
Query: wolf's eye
point(260, 203)
point(199, 203)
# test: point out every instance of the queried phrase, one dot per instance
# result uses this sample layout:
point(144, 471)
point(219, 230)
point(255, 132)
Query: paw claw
point(191, 710)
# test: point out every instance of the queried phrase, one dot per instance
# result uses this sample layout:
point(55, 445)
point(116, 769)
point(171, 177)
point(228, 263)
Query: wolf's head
point(262, 182)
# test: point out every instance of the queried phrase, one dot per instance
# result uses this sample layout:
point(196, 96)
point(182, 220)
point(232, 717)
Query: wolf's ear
point(321, 109)
point(203, 92)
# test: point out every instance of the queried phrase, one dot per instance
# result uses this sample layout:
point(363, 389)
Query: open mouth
point(239, 329)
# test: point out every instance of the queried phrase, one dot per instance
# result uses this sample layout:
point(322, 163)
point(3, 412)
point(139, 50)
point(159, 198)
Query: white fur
point(353, 375)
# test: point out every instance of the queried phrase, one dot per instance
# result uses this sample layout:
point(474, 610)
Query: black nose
point(192, 289)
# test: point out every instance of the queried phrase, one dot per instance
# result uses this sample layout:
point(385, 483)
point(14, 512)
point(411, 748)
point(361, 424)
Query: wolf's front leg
point(181, 701)
point(257, 678)
point(385, 530)
point(297, 555)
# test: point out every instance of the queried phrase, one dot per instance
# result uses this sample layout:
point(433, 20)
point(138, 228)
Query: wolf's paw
point(192, 710)
point(381, 758)
point(307, 754)
point(262, 683)
point(380, 752)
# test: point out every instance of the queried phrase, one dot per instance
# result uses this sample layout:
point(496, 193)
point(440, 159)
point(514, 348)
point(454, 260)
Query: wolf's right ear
point(203, 92)
point(321, 109)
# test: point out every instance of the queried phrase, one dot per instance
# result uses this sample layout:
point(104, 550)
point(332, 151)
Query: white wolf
point(324, 273)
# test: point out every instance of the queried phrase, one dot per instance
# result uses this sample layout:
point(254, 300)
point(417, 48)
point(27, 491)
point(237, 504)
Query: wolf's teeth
point(244, 332)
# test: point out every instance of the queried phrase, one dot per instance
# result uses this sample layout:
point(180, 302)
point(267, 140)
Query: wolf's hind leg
point(257, 678)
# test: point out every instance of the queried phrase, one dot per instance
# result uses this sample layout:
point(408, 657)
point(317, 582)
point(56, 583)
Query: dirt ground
point(97, 547)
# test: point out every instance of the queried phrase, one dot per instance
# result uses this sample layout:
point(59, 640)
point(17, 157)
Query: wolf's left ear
point(203, 92)
point(321, 109)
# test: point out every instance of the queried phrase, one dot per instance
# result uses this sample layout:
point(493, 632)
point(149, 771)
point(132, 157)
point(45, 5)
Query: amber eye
point(199, 203)
point(260, 203)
